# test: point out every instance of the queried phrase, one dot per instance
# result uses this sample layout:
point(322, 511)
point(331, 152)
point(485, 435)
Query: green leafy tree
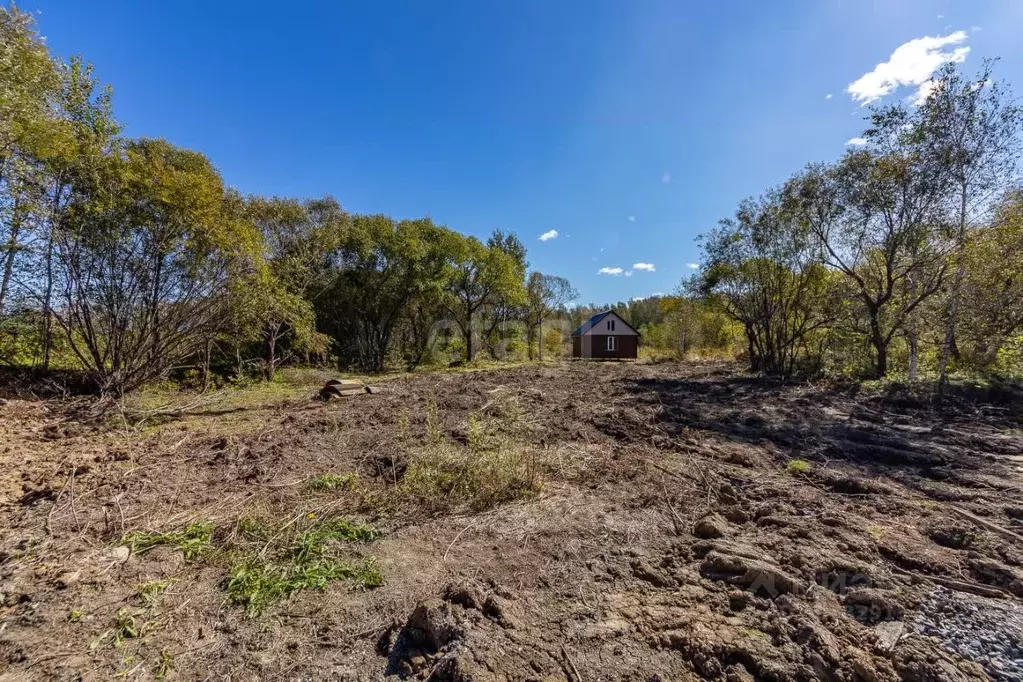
point(763, 270)
point(384, 267)
point(971, 129)
point(877, 216)
point(545, 296)
point(481, 276)
point(145, 253)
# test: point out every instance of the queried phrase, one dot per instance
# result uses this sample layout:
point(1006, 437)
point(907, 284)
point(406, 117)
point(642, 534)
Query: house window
point(610, 325)
point(612, 343)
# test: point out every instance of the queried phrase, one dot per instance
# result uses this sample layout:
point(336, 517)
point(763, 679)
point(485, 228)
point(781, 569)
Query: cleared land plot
point(581, 522)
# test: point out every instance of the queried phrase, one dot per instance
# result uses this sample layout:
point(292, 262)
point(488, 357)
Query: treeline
point(905, 255)
point(131, 258)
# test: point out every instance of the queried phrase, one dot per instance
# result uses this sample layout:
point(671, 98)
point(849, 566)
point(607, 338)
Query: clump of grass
point(331, 482)
point(475, 433)
point(448, 474)
point(149, 592)
point(193, 540)
point(876, 532)
point(75, 616)
point(254, 529)
point(257, 584)
point(797, 466)
point(434, 428)
point(125, 627)
point(311, 560)
point(164, 666)
point(313, 541)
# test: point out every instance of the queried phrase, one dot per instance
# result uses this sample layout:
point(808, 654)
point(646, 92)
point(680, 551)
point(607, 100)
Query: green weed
point(75, 616)
point(876, 532)
point(331, 482)
point(258, 584)
point(164, 666)
point(797, 466)
point(193, 540)
point(149, 592)
point(255, 529)
point(311, 560)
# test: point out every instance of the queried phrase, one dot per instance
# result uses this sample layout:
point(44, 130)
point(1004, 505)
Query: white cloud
point(923, 92)
point(609, 271)
point(628, 273)
point(828, 96)
point(549, 234)
point(694, 266)
point(976, 28)
point(856, 142)
point(912, 63)
point(649, 267)
point(941, 16)
point(666, 178)
point(658, 293)
point(639, 298)
point(632, 218)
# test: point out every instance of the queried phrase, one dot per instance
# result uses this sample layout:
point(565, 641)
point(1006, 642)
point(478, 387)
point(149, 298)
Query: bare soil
point(665, 533)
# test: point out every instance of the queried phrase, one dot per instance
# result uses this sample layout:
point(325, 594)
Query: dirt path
point(583, 522)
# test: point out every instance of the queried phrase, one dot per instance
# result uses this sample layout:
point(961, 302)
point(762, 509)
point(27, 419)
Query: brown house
point(605, 336)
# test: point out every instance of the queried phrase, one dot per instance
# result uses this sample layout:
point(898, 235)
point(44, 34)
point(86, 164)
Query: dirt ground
point(580, 522)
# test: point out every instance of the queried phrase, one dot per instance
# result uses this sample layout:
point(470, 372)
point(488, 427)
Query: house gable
point(606, 324)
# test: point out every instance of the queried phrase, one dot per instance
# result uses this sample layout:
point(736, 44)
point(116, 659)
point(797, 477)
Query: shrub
point(797, 466)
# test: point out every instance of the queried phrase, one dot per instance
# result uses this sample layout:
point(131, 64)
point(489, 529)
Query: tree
point(545, 295)
point(878, 218)
point(298, 241)
point(147, 249)
point(763, 270)
point(28, 87)
point(481, 276)
point(971, 128)
point(993, 283)
point(383, 266)
point(506, 304)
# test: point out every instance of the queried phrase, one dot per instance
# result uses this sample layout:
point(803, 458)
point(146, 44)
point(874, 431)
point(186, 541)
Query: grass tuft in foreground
point(193, 540)
point(331, 482)
point(797, 466)
point(311, 560)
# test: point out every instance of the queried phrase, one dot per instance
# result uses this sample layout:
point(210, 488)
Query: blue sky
point(628, 126)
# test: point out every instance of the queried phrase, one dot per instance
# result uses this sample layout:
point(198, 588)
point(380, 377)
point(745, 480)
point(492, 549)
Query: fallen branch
point(984, 523)
point(571, 665)
point(957, 585)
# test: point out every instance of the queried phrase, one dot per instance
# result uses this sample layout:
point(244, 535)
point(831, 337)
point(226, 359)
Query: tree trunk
point(206, 365)
point(48, 305)
point(914, 352)
point(12, 250)
point(539, 324)
point(469, 350)
point(953, 302)
point(881, 351)
point(271, 355)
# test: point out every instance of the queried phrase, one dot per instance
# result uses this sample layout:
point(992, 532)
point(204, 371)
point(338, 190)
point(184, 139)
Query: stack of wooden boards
point(343, 388)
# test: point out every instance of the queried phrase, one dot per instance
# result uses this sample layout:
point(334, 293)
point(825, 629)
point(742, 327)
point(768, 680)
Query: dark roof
point(592, 322)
